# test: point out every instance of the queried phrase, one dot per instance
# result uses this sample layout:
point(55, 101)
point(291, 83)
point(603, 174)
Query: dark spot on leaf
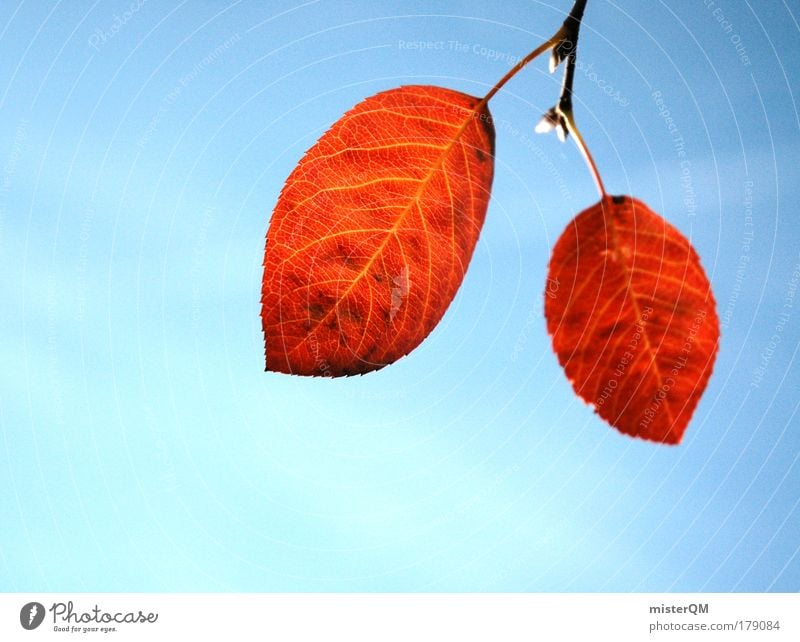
point(605, 331)
point(324, 299)
point(316, 311)
point(346, 256)
point(413, 243)
point(351, 314)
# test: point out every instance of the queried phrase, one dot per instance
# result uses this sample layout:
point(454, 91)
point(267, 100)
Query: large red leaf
point(632, 318)
point(374, 230)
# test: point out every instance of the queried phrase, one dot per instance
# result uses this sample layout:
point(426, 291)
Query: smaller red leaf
point(632, 318)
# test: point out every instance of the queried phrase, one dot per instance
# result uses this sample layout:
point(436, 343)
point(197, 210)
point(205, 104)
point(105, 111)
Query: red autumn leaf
point(374, 230)
point(632, 318)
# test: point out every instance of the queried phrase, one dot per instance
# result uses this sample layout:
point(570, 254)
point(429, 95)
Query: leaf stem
point(548, 44)
point(587, 156)
point(572, 26)
point(564, 44)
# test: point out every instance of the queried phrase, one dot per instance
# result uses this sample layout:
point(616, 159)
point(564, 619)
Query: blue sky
point(145, 449)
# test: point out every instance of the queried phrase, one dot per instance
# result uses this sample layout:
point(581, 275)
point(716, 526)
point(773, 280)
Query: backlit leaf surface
point(632, 318)
point(374, 230)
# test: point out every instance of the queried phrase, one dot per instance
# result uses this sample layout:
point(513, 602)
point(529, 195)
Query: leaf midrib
point(627, 271)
